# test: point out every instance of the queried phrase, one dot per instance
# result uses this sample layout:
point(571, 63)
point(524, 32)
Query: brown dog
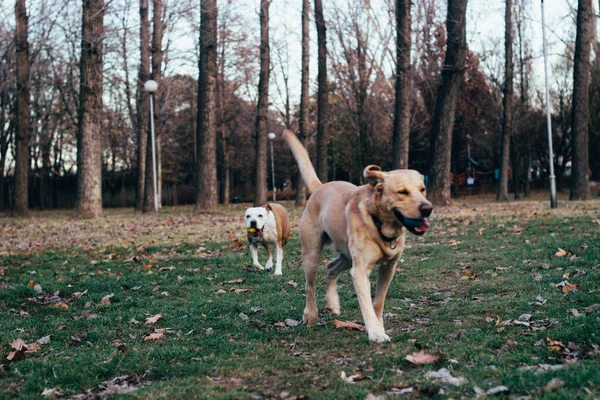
point(366, 225)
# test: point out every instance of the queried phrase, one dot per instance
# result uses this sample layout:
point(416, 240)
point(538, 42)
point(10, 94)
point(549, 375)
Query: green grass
point(219, 345)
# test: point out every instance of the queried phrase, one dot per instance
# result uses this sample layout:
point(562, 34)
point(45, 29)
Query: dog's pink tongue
point(425, 225)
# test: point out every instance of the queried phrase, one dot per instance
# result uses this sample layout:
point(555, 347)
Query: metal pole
point(552, 177)
point(153, 152)
point(273, 173)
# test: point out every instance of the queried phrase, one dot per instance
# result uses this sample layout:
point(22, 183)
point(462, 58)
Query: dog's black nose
point(426, 210)
point(253, 224)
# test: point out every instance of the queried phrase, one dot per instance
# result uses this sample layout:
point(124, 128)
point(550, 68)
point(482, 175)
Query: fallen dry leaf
point(153, 320)
point(235, 281)
point(351, 378)
point(157, 334)
point(348, 324)
point(554, 345)
point(560, 253)
point(105, 301)
point(422, 358)
point(469, 275)
point(555, 383)
point(570, 287)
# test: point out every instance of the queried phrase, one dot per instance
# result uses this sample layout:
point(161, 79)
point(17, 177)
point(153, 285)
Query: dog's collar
point(389, 241)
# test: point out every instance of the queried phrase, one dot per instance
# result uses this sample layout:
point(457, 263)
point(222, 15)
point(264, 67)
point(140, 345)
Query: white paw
point(258, 267)
point(278, 272)
point(269, 266)
point(378, 336)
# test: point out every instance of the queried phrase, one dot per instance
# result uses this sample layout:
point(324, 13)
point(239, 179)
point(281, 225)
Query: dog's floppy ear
point(373, 175)
point(268, 207)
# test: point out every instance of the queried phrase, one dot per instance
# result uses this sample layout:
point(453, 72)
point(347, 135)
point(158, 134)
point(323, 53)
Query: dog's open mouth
point(417, 226)
point(255, 231)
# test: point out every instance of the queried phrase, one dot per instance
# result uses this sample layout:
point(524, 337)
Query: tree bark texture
point(304, 99)
point(260, 165)
point(143, 111)
point(322, 93)
point(89, 134)
point(401, 133)
point(445, 107)
point(580, 188)
point(507, 102)
point(156, 75)
point(21, 205)
point(207, 195)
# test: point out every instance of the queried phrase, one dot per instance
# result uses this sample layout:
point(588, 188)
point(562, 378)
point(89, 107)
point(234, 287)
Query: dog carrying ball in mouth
point(366, 225)
point(268, 225)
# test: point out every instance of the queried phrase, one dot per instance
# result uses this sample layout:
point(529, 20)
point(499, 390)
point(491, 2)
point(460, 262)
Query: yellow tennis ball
point(251, 230)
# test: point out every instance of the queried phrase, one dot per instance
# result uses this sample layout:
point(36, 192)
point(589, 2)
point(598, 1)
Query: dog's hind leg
point(312, 248)
point(278, 258)
point(334, 268)
point(254, 254)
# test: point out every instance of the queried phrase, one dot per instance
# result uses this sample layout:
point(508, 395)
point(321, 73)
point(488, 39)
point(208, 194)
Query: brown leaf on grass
point(237, 290)
point(51, 393)
point(555, 383)
point(61, 304)
point(78, 295)
point(105, 301)
point(44, 340)
point(560, 253)
point(146, 266)
point(157, 334)
point(220, 291)
point(235, 281)
point(422, 358)
point(469, 275)
point(154, 319)
point(570, 287)
point(554, 345)
point(347, 324)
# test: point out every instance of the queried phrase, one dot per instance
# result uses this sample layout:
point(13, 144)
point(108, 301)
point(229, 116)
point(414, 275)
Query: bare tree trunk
point(401, 133)
point(207, 196)
point(304, 99)
point(322, 94)
point(224, 150)
point(156, 75)
point(260, 165)
point(89, 135)
point(524, 96)
point(21, 206)
point(445, 107)
point(507, 101)
point(143, 112)
point(580, 189)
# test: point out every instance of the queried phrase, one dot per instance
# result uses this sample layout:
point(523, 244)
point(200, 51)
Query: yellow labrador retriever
point(366, 225)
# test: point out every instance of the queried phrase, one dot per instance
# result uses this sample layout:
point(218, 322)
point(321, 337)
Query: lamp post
point(151, 86)
point(552, 178)
point(272, 137)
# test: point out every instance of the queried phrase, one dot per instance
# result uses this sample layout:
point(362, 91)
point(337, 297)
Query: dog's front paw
point(378, 336)
point(269, 266)
point(278, 272)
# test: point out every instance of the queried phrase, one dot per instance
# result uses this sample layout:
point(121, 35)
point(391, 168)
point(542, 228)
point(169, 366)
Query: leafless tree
point(580, 189)
point(206, 168)
point(89, 136)
point(143, 112)
point(322, 93)
point(508, 105)
point(401, 133)
point(260, 164)
point(445, 108)
point(21, 206)
point(303, 123)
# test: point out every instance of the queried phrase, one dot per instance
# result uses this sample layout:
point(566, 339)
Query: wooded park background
point(401, 84)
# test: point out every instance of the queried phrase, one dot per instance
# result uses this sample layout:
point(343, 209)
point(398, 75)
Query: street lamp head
point(151, 86)
point(271, 136)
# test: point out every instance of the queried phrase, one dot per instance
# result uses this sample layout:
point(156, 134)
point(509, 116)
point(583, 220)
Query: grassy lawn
point(488, 287)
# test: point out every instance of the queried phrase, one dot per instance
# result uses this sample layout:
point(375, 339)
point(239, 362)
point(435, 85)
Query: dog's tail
point(306, 169)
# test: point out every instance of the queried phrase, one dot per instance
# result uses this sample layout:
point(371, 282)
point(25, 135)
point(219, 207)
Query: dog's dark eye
point(403, 192)
point(247, 216)
point(423, 190)
point(259, 215)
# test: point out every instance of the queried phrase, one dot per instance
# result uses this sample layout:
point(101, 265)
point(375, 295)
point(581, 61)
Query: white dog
point(267, 225)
